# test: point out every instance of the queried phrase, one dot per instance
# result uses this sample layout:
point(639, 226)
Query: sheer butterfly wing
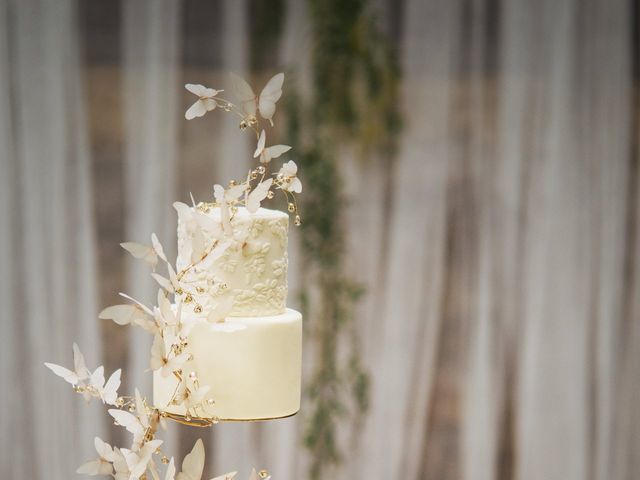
point(276, 150)
point(63, 372)
point(127, 420)
point(233, 193)
point(110, 392)
point(218, 193)
point(174, 364)
point(95, 467)
point(171, 471)
point(270, 94)
point(97, 377)
point(193, 463)
point(258, 194)
point(156, 360)
point(197, 89)
point(143, 252)
point(261, 142)
point(163, 282)
point(198, 109)
point(79, 364)
point(247, 100)
point(123, 314)
point(221, 310)
point(155, 243)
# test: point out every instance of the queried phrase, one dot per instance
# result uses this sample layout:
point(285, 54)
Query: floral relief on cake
point(256, 228)
point(265, 298)
point(255, 263)
point(228, 263)
point(279, 267)
point(279, 230)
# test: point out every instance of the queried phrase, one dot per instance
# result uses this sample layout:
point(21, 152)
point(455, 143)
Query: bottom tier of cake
point(252, 364)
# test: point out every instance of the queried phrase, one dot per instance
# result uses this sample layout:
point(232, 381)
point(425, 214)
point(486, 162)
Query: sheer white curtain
point(501, 325)
point(48, 276)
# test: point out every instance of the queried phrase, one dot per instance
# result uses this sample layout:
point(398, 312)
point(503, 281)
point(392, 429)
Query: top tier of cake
point(253, 269)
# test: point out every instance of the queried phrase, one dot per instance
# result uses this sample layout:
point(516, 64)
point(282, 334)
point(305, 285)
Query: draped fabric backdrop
point(501, 325)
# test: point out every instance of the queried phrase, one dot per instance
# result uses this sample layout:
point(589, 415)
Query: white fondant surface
point(253, 365)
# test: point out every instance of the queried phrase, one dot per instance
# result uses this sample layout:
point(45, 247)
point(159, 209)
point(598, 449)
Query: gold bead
point(263, 474)
point(165, 460)
point(193, 375)
point(215, 420)
point(254, 175)
point(199, 289)
point(232, 183)
point(197, 309)
point(188, 298)
point(270, 194)
point(291, 207)
point(179, 291)
point(243, 124)
point(261, 170)
point(132, 408)
point(224, 286)
point(298, 221)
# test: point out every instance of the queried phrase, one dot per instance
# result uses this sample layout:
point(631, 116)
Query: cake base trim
point(204, 422)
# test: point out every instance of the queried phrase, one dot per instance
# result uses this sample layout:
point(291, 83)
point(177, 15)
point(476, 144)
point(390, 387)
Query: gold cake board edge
point(207, 422)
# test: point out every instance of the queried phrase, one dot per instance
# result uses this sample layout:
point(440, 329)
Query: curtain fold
point(150, 42)
point(49, 272)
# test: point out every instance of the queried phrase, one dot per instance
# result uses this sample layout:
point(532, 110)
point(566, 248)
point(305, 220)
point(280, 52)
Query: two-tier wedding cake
point(251, 355)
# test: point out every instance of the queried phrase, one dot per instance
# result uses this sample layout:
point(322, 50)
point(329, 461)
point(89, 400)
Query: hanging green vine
point(353, 106)
point(354, 103)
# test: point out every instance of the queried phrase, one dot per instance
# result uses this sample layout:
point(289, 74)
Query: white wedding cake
point(244, 343)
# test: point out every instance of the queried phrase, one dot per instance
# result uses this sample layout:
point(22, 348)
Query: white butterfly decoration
point(205, 103)
point(265, 103)
point(226, 198)
point(170, 284)
point(266, 154)
point(136, 424)
point(148, 253)
point(80, 372)
point(131, 314)
point(103, 464)
point(163, 358)
point(221, 310)
point(190, 394)
point(193, 465)
point(107, 392)
point(90, 385)
point(288, 177)
point(258, 194)
point(135, 462)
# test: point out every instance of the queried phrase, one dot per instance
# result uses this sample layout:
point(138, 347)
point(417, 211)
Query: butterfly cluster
point(252, 109)
point(209, 238)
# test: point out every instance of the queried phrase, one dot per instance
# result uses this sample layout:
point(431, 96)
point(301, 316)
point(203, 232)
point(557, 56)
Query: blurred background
point(469, 261)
